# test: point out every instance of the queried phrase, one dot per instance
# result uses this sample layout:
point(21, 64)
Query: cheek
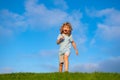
point(68, 30)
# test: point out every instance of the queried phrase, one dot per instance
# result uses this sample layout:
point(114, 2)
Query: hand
point(61, 38)
point(76, 52)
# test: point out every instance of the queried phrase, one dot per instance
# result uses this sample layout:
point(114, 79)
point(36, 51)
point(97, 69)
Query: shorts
point(64, 51)
point(61, 57)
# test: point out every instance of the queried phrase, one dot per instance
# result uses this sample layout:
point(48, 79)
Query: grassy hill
point(61, 76)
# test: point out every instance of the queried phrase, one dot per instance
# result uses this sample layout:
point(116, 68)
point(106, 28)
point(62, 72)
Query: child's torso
point(66, 43)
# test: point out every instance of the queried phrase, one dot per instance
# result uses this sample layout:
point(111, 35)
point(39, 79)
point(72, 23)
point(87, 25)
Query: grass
point(61, 76)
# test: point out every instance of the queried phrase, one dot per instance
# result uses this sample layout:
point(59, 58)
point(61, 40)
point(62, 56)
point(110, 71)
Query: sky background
point(29, 29)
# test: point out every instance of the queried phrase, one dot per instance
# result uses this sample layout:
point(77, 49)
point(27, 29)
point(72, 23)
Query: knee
point(61, 64)
point(65, 56)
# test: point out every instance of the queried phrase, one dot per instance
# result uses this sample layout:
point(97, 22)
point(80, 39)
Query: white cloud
point(48, 53)
point(108, 16)
point(6, 70)
point(39, 16)
point(109, 65)
point(112, 16)
point(12, 20)
point(108, 32)
point(61, 4)
point(92, 42)
point(84, 67)
point(108, 26)
point(11, 23)
point(42, 54)
point(5, 32)
point(80, 41)
point(49, 67)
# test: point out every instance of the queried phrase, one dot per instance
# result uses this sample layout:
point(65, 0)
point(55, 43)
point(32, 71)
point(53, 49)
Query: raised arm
point(75, 47)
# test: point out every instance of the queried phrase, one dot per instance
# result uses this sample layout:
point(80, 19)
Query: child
point(65, 40)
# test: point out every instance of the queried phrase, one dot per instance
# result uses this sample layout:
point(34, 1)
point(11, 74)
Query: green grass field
point(61, 76)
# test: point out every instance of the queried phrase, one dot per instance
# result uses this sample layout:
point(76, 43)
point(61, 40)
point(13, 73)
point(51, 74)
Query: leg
point(60, 67)
point(66, 62)
point(61, 59)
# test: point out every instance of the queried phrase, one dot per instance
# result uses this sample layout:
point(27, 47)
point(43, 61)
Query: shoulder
point(59, 34)
point(70, 35)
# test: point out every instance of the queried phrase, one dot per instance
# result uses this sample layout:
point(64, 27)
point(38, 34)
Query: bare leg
point(66, 62)
point(60, 67)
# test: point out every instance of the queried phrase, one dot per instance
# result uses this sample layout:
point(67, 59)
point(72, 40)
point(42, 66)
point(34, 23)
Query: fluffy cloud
point(48, 53)
point(61, 4)
point(43, 54)
point(109, 65)
point(38, 16)
point(11, 23)
point(49, 67)
point(108, 32)
point(109, 24)
point(6, 70)
point(111, 16)
point(5, 32)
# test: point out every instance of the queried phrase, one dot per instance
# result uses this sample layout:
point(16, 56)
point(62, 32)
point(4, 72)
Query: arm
point(60, 40)
point(75, 48)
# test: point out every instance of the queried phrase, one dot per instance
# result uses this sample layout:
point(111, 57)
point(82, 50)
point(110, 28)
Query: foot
point(66, 72)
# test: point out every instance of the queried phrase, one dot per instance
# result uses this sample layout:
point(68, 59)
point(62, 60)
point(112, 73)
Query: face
point(66, 30)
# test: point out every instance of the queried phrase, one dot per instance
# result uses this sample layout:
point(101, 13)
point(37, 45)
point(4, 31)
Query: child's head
point(66, 28)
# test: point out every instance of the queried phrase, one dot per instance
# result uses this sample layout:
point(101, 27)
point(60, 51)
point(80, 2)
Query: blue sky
point(29, 29)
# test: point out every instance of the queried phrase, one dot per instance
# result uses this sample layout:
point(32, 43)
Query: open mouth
point(65, 30)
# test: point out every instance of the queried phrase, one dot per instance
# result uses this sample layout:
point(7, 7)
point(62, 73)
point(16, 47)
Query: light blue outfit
point(65, 45)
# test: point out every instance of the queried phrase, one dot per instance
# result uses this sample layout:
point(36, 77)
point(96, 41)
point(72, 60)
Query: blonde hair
point(66, 24)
